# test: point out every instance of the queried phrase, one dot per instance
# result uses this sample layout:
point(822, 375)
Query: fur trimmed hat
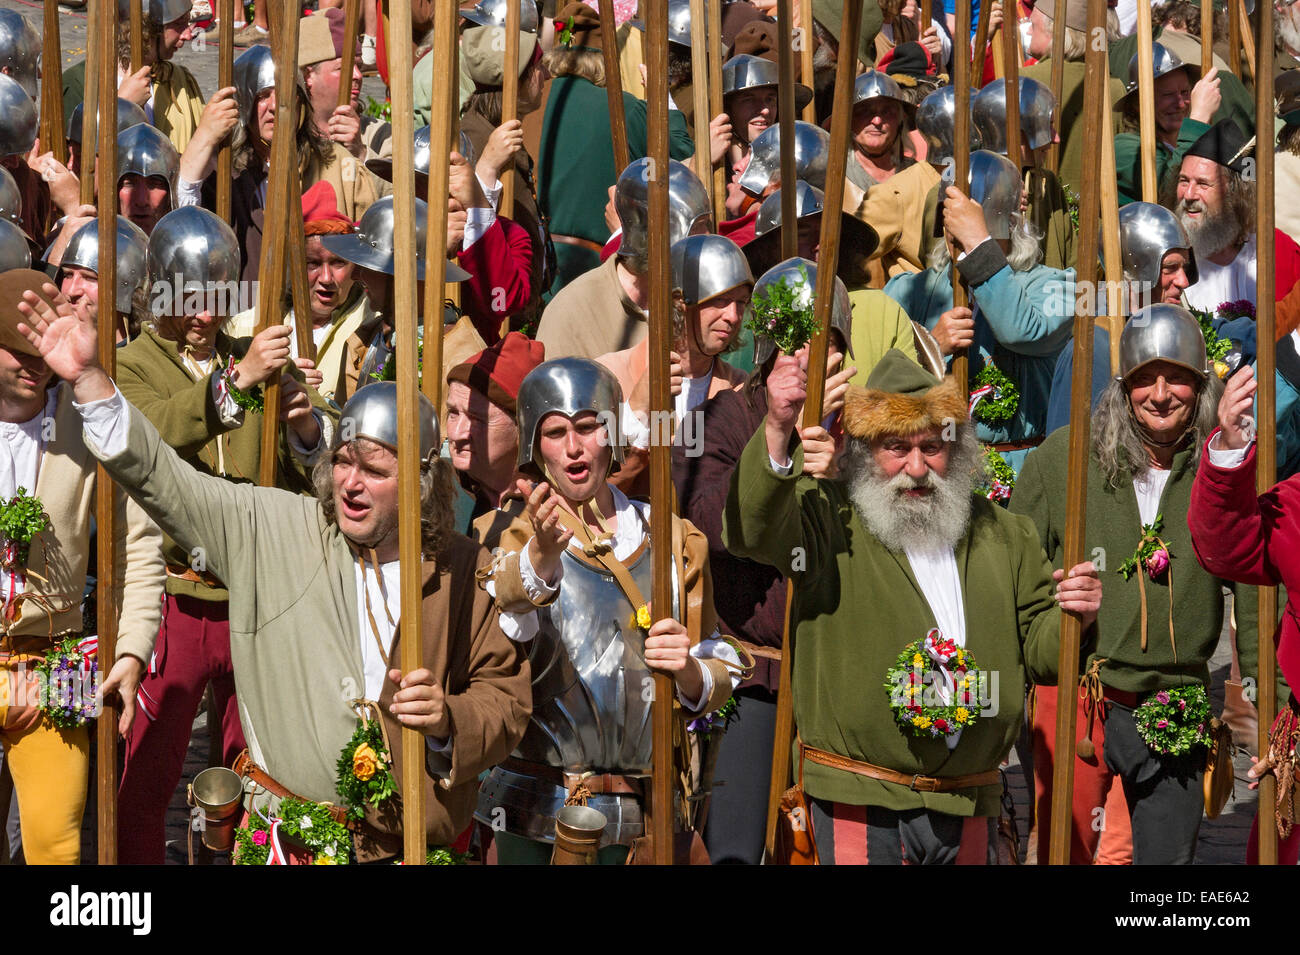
point(901, 398)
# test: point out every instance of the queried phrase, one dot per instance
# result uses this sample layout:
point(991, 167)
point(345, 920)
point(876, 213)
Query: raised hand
point(550, 537)
point(1236, 411)
point(66, 339)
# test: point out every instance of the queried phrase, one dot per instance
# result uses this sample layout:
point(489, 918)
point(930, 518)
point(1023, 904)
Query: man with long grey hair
point(1144, 714)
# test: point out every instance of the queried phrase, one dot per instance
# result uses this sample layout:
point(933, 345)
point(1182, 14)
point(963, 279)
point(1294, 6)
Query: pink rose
point(259, 837)
point(1157, 563)
point(1162, 724)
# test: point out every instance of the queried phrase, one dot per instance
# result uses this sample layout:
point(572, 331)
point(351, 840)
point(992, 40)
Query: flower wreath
point(308, 823)
point(995, 397)
point(564, 32)
point(910, 680)
point(998, 479)
point(1173, 721)
point(365, 773)
point(68, 677)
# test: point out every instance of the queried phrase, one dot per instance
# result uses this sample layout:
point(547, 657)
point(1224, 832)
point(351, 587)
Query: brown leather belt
point(913, 781)
point(578, 241)
point(194, 577)
point(596, 784)
point(245, 766)
point(759, 652)
point(1023, 445)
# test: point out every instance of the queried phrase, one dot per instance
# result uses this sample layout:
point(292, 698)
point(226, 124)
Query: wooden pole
point(137, 38)
point(1265, 410)
point(806, 43)
point(52, 133)
point(1000, 55)
point(1234, 40)
point(298, 288)
point(90, 110)
point(510, 100)
point(442, 134)
point(1207, 36)
point(1080, 432)
point(700, 95)
point(786, 118)
point(722, 170)
point(614, 85)
point(351, 25)
point(980, 49)
point(1147, 103)
point(823, 299)
point(662, 823)
point(225, 78)
point(1247, 37)
point(1010, 47)
point(283, 16)
point(1058, 75)
point(1110, 245)
point(405, 301)
point(927, 15)
point(105, 497)
point(961, 171)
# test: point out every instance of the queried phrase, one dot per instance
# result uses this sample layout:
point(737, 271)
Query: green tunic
point(1128, 161)
point(857, 605)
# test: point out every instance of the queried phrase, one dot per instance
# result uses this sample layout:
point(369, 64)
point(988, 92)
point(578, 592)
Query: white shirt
point(940, 582)
point(21, 444)
point(1148, 486)
point(1216, 284)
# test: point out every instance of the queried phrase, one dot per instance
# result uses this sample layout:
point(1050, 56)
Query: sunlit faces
point(1163, 398)
point(81, 287)
point(329, 278)
point(752, 111)
point(1201, 187)
point(1173, 276)
point(1173, 102)
point(264, 114)
point(322, 81)
point(481, 435)
point(175, 34)
point(719, 319)
point(22, 377)
point(577, 453)
point(365, 492)
point(143, 200)
point(876, 123)
point(916, 456)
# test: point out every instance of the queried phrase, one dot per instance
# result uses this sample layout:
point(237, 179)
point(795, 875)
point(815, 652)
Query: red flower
point(941, 725)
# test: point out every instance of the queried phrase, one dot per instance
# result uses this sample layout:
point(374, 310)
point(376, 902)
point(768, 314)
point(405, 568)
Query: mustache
point(1191, 205)
point(902, 481)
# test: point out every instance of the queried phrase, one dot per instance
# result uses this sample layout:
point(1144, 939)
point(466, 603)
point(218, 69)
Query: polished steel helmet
point(15, 251)
point(811, 149)
point(11, 200)
point(17, 119)
point(876, 84)
point(383, 168)
point(935, 120)
point(161, 12)
point(132, 256)
point(679, 22)
point(858, 240)
point(192, 244)
point(708, 265)
point(747, 72)
point(801, 274)
point(254, 72)
point(1162, 332)
point(371, 244)
point(20, 51)
point(1147, 233)
point(372, 413)
point(689, 208)
point(1164, 61)
point(146, 151)
point(128, 115)
point(567, 386)
point(989, 114)
point(492, 13)
point(996, 185)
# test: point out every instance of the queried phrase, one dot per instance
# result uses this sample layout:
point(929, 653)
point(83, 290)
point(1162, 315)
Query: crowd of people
point(906, 551)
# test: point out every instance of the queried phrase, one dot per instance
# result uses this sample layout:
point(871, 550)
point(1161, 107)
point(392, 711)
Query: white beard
point(1209, 233)
point(1287, 30)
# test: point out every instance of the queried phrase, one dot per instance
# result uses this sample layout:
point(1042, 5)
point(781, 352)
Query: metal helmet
point(383, 168)
point(492, 13)
point(995, 184)
point(161, 12)
point(855, 235)
point(254, 72)
point(567, 386)
point(812, 146)
point(372, 413)
point(15, 251)
point(371, 244)
point(20, 51)
point(875, 84)
point(708, 265)
point(936, 121)
point(146, 151)
point(1164, 62)
point(128, 115)
point(679, 22)
point(132, 255)
point(747, 72)
point(1162, 332)
point(192, 244)
point(17, 119)
point(801, 274)
point(11, 200)
point(688, 206)
point(1147, 233)
point(1037, 107)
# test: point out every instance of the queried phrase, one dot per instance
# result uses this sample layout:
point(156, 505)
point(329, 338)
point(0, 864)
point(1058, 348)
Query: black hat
point(1225, 144)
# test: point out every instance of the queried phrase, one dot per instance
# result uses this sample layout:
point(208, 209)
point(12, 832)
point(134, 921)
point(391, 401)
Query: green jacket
point(1128, 160)
point(1112, 531)
point(857, 605)
point(151, 376)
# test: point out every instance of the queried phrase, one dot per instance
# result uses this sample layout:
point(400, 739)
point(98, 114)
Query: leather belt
point(1023, 445)
point(578, 241)
point(759, 652)
point(194, 577)
point(245, 767)
point(596, 783)
point(913, 781)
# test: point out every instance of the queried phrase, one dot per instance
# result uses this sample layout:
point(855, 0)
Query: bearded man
point(901, 542)
point(1147, 434)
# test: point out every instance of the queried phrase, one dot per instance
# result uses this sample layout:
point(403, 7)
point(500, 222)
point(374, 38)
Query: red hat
point(498, 370)
point(320, 212)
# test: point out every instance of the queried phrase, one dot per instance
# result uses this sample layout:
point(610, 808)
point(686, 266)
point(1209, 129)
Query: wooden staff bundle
point(510, 100)
point(721, 170)
point(961, 169)
point(351, 24)
point(786, 119)
point(806, 42)
point(1058, 76)
point(1010, 47)
point(51, 129)
point(137, 38)
point(90, 103)
point(1146, 104)
point(225, 79)
point(614, 84)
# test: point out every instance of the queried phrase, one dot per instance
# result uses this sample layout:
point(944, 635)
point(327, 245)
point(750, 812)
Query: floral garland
point(995, 397)
point(1152, 552)
point(365, 770)
point(564, 32)
point(1173, 721)
point(921, 671)
point(719, 719)
point(1216, 348)
point(783, 312)
point(68, 677)
point(999, 477)
point(251, 399)
point(306, 822)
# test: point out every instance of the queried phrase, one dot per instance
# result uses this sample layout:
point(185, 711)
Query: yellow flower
point(643, 617)
point(916, 720)
point(961, 658)
point(917, 659)
point(364, 762)
point(323, 859)
point(963, 714)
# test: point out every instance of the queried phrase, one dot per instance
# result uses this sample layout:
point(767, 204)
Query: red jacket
point(501, 263)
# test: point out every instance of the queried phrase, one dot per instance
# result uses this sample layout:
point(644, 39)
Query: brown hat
point(483, 51)
point(579, 25)
point(902, 398)
point(12, 286)
point(499, 370)
point(1076, 12)
point(321, 37)
point(735, 17)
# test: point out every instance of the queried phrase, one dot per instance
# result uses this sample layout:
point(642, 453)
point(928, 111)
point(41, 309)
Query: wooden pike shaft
point(1146, 103)
point(298, 287)
point(137, 38)
point(442, 134)
point(614, 85)
point(52, 129)
point(400, 52)
point(510, 100)
point(722, 170)
point(105, 504)
point(927, 14)
point(980, 47)
point(351, 26)
point(1010, 47)
point(786, 117)
point(1080, 430)
point(90, 108)
point(1265, 411)
point(225, 78)
point(1246, 35)
point(806, 43)
point(961, 170)
point(662, 824)
point(1058, 77)
point(823, 299)
point(1207, 36)
point(1234, 40)
point(284, 166)
point(700, 94)
point(1110, 243)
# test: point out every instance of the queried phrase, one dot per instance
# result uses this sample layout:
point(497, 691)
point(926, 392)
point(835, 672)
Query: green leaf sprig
point(783, 312)
point(1001, 404)
point(307, 823)
point(22, 517)
point(1215, 347)
point(1152, 552)
point(1171, 722)
point(364, 770)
